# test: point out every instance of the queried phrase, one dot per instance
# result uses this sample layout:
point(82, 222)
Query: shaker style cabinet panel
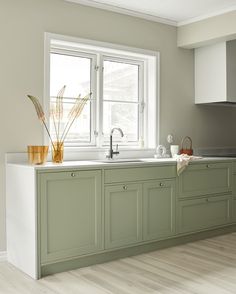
point(234, 199)
point(133, 174)
point(198, 214)
point(123, 208)
point(234, 210)
point(204, 179)
point(70, 214)
point(158, 209)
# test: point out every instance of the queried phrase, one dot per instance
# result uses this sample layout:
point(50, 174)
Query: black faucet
point(111, 152)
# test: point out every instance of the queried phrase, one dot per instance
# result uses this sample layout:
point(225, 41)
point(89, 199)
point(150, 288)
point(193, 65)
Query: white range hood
point(215, 74)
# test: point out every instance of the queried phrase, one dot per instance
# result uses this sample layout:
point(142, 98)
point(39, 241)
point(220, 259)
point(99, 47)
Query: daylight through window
point(121, 96)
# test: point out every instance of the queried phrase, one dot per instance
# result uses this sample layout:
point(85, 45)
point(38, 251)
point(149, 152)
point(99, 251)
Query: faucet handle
point(116, 152)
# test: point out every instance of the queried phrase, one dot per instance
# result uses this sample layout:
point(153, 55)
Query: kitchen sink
point(122, 160)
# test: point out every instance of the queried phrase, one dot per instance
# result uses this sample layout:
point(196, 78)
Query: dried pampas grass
point(57, 112)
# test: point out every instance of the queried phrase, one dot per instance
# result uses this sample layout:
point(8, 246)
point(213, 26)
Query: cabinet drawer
point(198, 214)
point(203, 179)
point(139, 174)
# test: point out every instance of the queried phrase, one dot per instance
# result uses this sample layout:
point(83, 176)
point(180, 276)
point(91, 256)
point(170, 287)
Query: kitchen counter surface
point(117, 163)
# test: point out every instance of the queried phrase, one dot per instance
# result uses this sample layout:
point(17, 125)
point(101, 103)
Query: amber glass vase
point(37, 154)
point(57, 152)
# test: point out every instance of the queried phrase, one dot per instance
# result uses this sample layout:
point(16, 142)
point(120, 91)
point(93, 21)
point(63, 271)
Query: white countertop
point(116, 163)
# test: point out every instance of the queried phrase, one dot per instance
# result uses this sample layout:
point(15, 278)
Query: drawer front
point(139, 173)
point(203, 179)
point(198, 214)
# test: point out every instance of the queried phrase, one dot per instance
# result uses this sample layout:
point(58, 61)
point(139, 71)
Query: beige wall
point(22, 27)
point(211, 30)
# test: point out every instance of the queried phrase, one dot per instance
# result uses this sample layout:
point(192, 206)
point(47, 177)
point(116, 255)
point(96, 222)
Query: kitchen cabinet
point(70, 214)
point(234, 196)
point(158, 209)
point(139, 212)
point(204, 179)
point(215, 69)
point(234, 209)
point(203, 213)
point(123, 215)
point(205, 196)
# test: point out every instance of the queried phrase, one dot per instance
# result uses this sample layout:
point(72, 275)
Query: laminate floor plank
point(17, 282)
point(203, 267)
point(192, 281)
point(199, 270)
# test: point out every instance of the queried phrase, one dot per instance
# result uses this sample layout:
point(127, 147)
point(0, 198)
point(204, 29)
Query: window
point(123, 87)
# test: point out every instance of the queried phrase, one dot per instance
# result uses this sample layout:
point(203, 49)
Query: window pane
point(122, 115)
point(72, 71)
point(80, 130)
point(120, 81)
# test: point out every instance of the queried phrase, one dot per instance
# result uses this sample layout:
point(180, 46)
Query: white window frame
point(148, 60)
point(140, 102)
point(93, 58)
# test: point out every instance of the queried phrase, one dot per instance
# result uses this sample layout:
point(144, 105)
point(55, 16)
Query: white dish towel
point(183, 161)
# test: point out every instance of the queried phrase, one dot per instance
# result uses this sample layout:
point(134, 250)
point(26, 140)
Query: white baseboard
point(3, 256)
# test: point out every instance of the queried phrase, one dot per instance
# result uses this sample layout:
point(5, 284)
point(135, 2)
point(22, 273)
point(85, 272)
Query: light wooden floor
point(207, 266)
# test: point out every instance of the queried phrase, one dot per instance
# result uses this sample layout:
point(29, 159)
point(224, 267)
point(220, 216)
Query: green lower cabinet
point(205, 179)
point(234, 210)
point(234, 198)
point(123, 209)
point(204, 213)
point(158, 210)
point(70, 214)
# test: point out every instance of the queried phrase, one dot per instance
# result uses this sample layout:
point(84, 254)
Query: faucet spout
point(118, 129)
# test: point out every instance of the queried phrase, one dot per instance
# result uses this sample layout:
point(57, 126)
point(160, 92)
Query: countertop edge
point(104, 165)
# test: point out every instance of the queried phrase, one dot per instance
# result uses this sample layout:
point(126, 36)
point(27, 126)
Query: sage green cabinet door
point(234, 210)
point(234, 200)
point(198, 214)
point(158, 209)
point(123, 223)
point(70, 214)
point(204, 179)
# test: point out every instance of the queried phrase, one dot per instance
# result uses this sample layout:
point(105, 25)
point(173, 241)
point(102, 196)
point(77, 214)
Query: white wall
point(22, 27)
point(207, 31)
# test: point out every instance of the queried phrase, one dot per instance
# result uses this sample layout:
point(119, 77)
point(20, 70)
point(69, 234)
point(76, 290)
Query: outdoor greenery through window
point(119, 99)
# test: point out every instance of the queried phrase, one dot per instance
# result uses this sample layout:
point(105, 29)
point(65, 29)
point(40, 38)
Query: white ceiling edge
point(149, 16)
point(206, 16)
point(125, 11)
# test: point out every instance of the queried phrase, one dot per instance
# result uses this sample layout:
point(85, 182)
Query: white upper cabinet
point(215, 73)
